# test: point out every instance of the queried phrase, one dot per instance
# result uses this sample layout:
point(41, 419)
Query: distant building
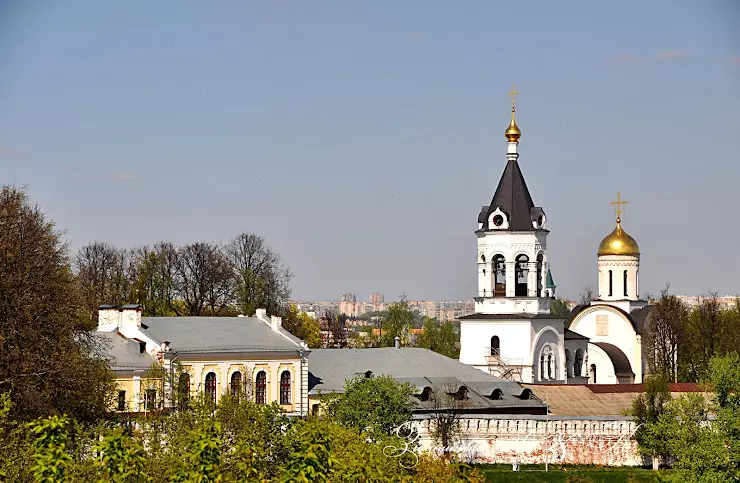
point(377, 301)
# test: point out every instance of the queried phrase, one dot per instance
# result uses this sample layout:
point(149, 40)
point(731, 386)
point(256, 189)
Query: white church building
point(512, 333)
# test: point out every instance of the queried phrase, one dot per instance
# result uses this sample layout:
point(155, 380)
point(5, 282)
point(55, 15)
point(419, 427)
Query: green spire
point(549, 282)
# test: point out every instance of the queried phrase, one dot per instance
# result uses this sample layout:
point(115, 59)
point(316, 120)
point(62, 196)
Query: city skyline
point(361, 140)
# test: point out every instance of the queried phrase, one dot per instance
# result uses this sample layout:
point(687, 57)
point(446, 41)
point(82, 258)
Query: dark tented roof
point(620, 362)
point(212, 334)
point(425, 370)
point(513, 198)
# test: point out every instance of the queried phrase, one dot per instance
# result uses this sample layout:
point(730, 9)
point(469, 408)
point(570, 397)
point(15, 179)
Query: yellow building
point(254, 356)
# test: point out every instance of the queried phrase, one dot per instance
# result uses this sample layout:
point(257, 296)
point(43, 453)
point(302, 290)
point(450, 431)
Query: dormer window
point(498, 220)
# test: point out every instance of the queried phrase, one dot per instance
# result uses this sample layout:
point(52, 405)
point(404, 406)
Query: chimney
point(261, 314)
point(397, 342)
point(130, 321)
point(109, 318)
point(276, 322)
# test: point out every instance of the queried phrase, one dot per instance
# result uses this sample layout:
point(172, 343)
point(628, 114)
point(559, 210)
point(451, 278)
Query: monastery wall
point(534, 439)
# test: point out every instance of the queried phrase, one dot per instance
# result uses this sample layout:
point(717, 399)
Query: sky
point(362, 138)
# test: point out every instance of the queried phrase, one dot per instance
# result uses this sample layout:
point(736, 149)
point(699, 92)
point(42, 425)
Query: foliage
point(121, 459)
point(397, 321)
point(647, 409)
point(302, 325)
point(203, 456)
point(440, 338)
point(662, 335)
point(51, 458)
point(376, 405)
point(313, 460)
point(49, 362)
point(559, 309)
point(447, 405)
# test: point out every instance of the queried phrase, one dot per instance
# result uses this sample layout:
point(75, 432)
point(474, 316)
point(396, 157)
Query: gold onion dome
point(618, 242)
point(513, 133)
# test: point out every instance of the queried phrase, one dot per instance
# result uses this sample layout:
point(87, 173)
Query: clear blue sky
point(362, 138)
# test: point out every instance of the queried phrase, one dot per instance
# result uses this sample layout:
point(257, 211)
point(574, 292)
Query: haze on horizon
point(361, 138)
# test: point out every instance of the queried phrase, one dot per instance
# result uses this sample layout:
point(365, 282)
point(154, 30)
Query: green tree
point(52, 459)
point(376, 405)
point(302, 325)
point(559, 309)
point(669, 317)
point(441, 338)
point(202, 456)
point(49, 361)
point(397, 321)
point(121, 459)
point(647, 408)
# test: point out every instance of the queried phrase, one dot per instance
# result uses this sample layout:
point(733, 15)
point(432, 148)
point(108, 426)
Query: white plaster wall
point(620, 334)
point(618, 264)
point(604, 367)
point(475, 340)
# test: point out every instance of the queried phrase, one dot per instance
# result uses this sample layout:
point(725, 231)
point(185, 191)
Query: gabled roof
point(513, 198)
point(124, 354)
point(425, 370)
point(218, 334)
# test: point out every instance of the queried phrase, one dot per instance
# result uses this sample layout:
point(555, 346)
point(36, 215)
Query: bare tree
point(662, 334)
point(103, 275)
point(587, 295)
point(336, 324)
point(261, 279)
point(202, 279)
point(446, 408)
point(154, 287)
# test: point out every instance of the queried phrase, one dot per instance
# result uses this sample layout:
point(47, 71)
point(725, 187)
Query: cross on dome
point(618, 205)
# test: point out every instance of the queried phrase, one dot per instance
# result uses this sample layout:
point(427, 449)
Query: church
point(512, 333)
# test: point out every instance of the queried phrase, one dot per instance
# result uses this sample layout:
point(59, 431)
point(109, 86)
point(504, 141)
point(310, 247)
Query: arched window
point(183, 390)
point(546, 363)
point(499, 273)
point(211, 386)
point(540, 274)
point(611, 284)
point(285, 387)
point(482, 258)
point(522, 274)
point(593, 374)
point(625, 283)
point(578, 363)
point(550, 366)
point(568, 363)
point(261, 388)
point(236, 383)
point(495, 346)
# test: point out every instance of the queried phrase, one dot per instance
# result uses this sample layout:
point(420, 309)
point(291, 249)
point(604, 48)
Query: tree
point(49, 361)
point(376, 405)
point(586, 296)
point(447, 405)
point(396, 323)
point(440, 338)
point(154, 286)
point(668, 319)
point(337, 325)
point(103, 274)
point(302, 325)
point(647, 409)
point(559, 309)
point(261, 279)
point(202, 279)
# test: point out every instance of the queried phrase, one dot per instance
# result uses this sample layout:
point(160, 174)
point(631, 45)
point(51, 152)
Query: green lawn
point(572, 474)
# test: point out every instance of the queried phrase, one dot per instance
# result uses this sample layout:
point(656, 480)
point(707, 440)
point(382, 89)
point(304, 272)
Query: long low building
point(430, 373)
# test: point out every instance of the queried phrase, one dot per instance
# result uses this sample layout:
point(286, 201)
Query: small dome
point(618, 242)
point(513, 133)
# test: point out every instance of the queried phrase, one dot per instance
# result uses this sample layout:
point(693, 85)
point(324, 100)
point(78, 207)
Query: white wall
point(618, 265)
point(475, 340)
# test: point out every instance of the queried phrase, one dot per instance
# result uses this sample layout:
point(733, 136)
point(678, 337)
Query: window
point(499, 276)
point(183, 390)
point(625, 283)
point(602, 325)
point(550, 366)
point(568, 363)
point(593, 374)
point(610, 283)
point(540, 274)
point(211, 387)
point(578, 363)
point(547, 363)
point(121, 400)
point(285, 387)
point(236, 383)
point(522, 274)
point(261, 388)
point(150, 399)
point(495, 346)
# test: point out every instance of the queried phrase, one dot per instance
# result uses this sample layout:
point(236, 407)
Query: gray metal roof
point(424, 369)
point(223, 334)
point(123, 353)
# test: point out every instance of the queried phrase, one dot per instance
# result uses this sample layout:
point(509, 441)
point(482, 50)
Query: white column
point(532, 280)
point(510, 279)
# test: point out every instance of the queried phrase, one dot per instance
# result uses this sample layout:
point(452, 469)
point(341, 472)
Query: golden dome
point(618, 242)
point(513, 133)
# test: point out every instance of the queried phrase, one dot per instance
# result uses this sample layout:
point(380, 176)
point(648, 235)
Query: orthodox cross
point(512, 94)
point(618, 204)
